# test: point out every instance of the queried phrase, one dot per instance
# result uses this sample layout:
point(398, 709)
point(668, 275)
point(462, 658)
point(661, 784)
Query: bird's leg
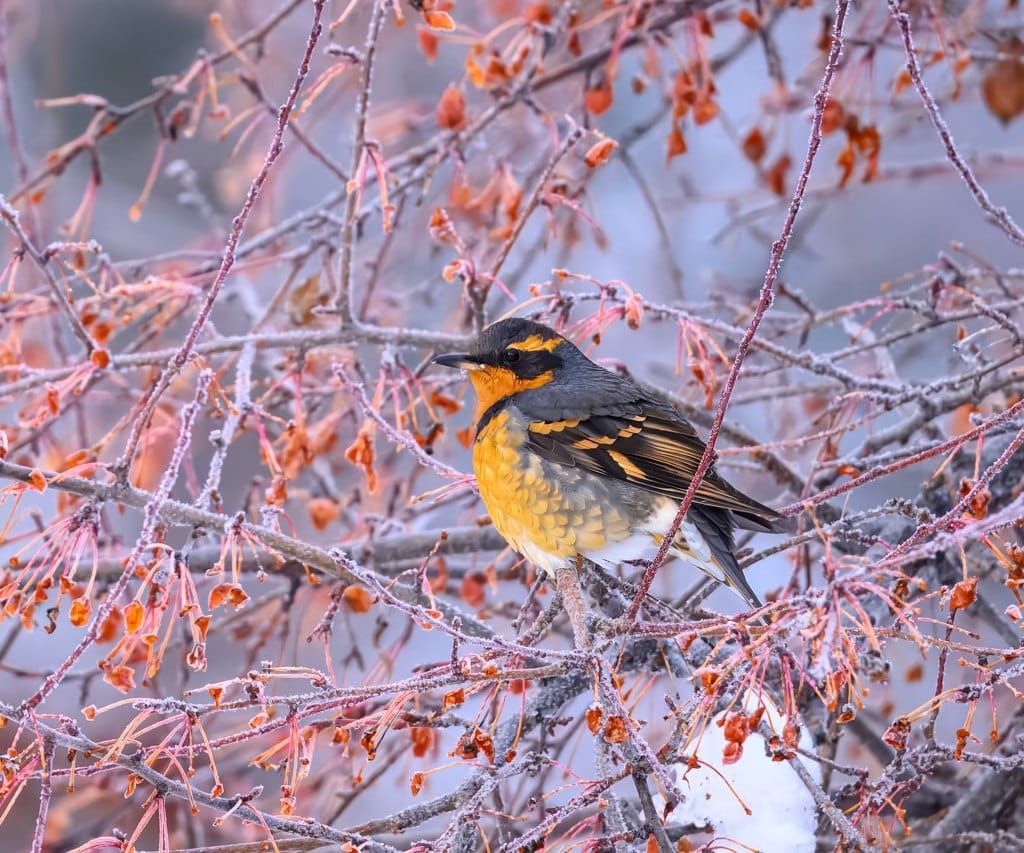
point(568, 580)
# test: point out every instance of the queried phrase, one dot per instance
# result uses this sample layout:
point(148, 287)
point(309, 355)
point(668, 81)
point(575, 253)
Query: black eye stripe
point(511, 355)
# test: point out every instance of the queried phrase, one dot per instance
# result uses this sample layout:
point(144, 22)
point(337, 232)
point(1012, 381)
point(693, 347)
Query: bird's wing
point(651, 447)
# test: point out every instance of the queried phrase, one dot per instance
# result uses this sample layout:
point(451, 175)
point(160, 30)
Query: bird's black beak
point(461, 360)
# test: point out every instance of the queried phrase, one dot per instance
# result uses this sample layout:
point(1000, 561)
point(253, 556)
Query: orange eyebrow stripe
point(535, 343)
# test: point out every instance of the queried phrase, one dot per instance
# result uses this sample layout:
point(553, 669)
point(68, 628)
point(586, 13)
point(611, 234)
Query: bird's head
point(509, 357)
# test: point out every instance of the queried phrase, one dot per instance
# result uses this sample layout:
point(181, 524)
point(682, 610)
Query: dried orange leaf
point(81, 607)
point(133, 617)
point(791, 734)
point(705, 110)
point(439, 20)
point(473, 590)
point(749, 19)
point(594, 715)
point(538, 13)
point(446, 404)
point(963, 594)
point(218, 595)
point(676, 142)
point(736, 727)
point(36, 480)
point(323, 511)
point(120, 677)
point(423, 740)
point(599, 152)
point(451, 109)
point(360, 452)
point(732, 752)
point(633, 311)
point(833, 117)
point(896, 735)
point(1003, 89)
point(754, 146)
point(357, 599)
point(303, 299)
point(484, 743)
point(111, 625)
point(599, 99)
point(846, 161)
point(453, 699)
point(775, 177)
point(847, 715)
point(979, 503)
point(475, 73)
point(428, 43)
point(616, 730)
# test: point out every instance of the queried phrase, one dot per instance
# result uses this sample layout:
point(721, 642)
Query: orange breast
point(546, 512)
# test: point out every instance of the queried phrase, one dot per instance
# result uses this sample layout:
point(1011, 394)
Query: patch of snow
point(783, 814)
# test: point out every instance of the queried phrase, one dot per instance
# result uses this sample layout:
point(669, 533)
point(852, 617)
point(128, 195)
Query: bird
point(576, 462)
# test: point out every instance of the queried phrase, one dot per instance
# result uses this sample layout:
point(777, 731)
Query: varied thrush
point(575, 461)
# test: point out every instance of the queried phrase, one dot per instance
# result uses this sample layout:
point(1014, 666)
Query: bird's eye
point(510, 356)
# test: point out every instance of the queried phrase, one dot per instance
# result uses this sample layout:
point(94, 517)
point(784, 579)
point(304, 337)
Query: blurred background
point(139, 219)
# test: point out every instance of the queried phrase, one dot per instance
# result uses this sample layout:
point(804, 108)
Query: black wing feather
point(649, 446)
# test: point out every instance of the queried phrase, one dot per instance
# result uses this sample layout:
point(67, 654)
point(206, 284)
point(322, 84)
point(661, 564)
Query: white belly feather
point(690, 547)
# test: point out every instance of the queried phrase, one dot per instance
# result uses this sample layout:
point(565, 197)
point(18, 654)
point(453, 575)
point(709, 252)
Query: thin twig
point(343, 298)
point(980, 485)
point(567, 580)
point(767, 297)
point(574, 135)
point(42, 260)
point(999, 215)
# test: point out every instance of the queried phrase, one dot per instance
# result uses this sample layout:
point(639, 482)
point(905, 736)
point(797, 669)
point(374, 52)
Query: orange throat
point(494, 384)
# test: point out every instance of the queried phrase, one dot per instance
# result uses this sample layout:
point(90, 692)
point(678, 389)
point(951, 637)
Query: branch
point(151, 514)
point(174, 512)
point(122, 467)
point(45, 792)
point(553, 695)
point(115, 116)
point(297, 339)
point(991, 792)
point(237, 806)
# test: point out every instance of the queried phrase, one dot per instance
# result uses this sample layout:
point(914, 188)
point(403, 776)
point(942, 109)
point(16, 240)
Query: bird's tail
point(713, 554)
